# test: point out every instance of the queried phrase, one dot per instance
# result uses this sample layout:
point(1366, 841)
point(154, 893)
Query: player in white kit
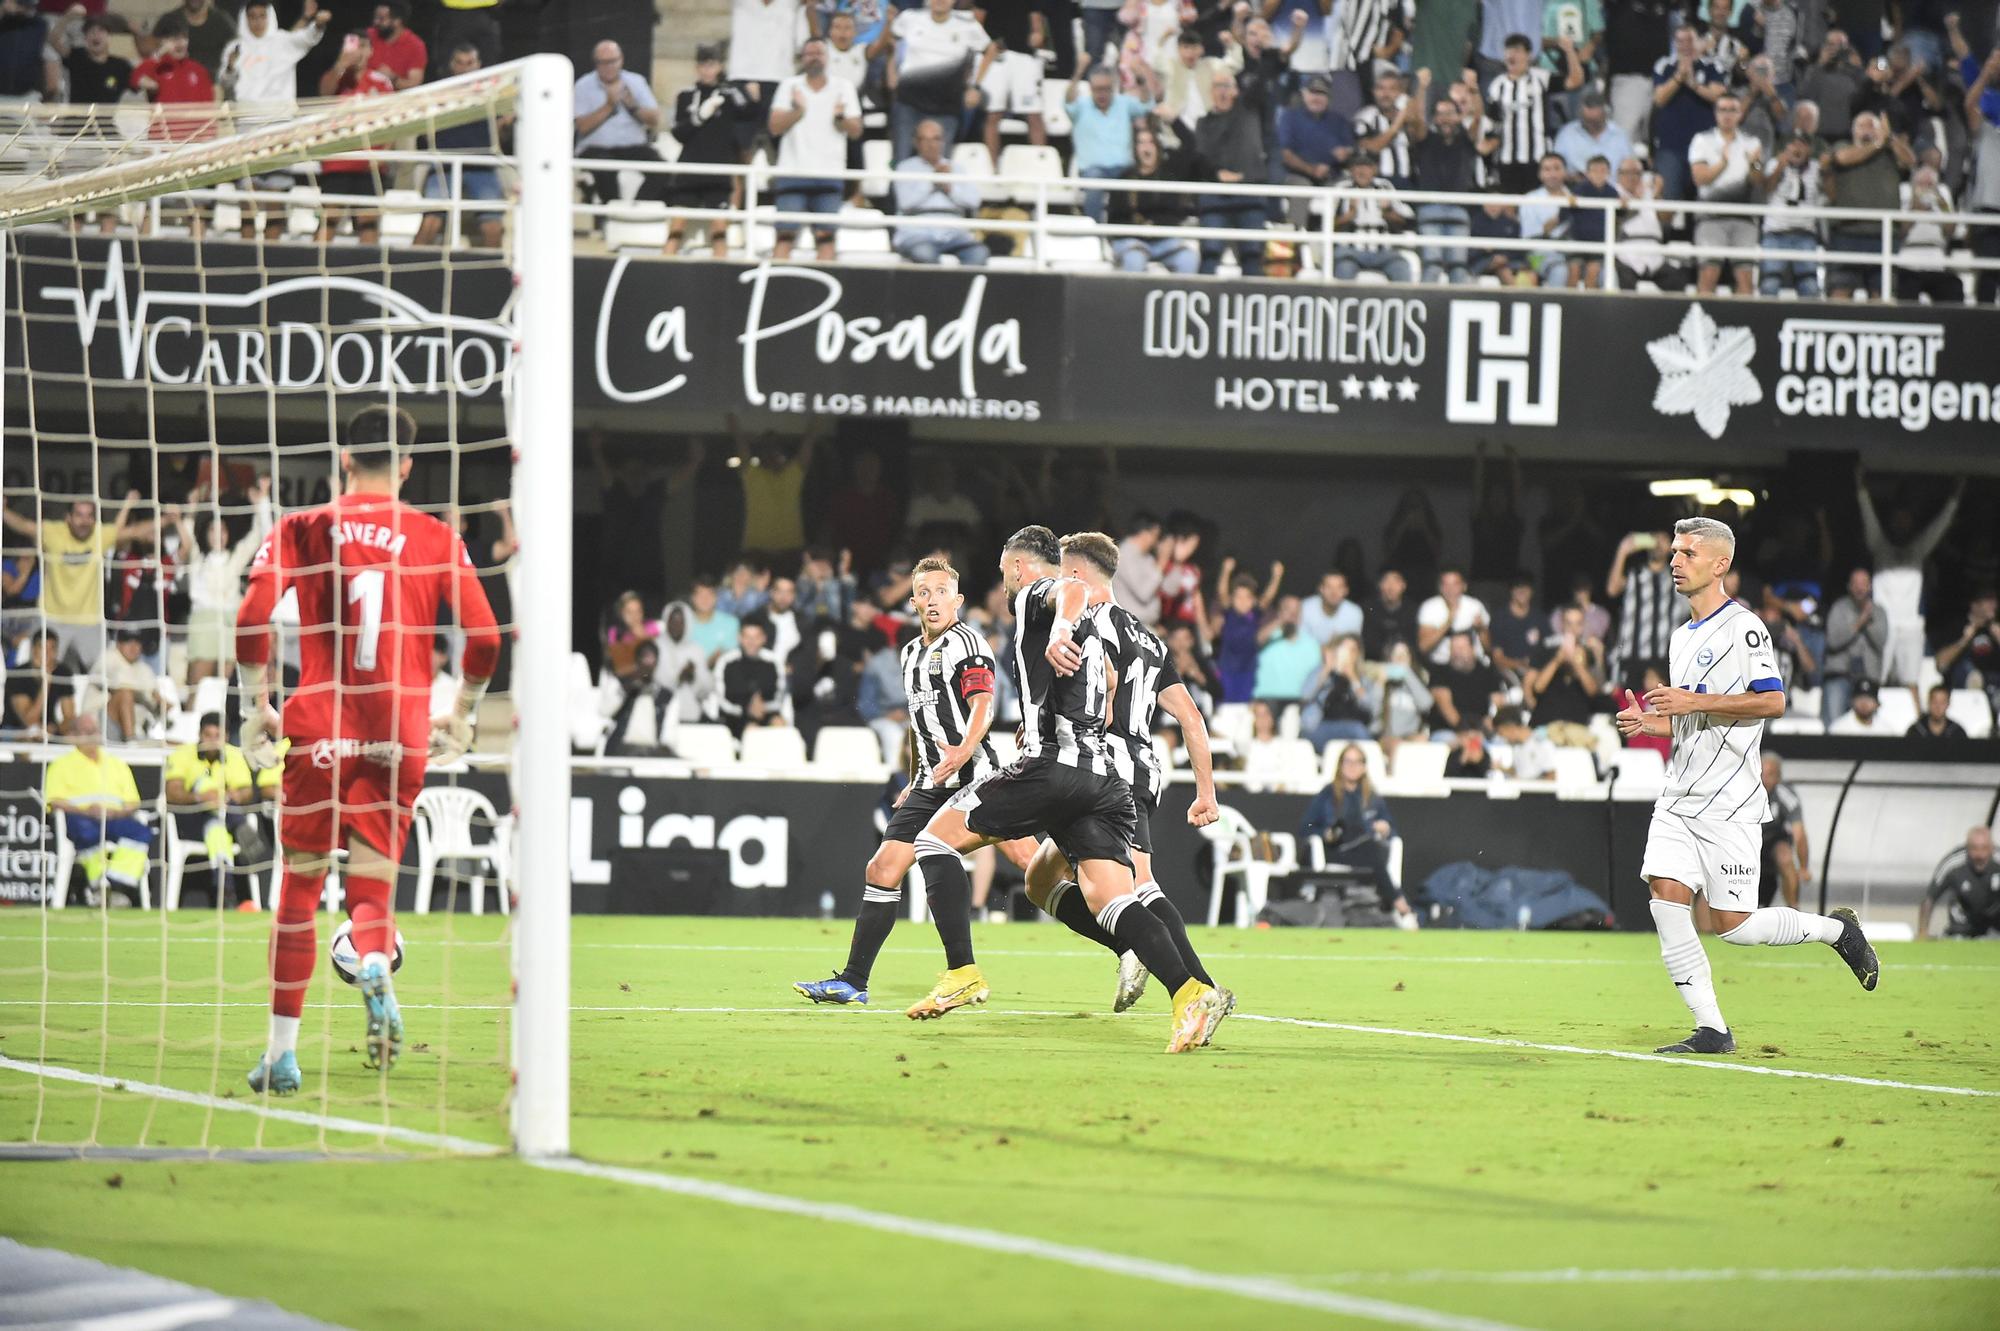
point(1707, 833)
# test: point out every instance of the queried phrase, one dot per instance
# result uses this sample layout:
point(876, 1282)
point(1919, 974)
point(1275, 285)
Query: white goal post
point(77, 167)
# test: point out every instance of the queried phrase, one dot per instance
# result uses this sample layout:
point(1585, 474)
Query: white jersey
point(1716, 774)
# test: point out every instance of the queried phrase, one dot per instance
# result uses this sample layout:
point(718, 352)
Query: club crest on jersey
point(1705, 657)
point(937, 659)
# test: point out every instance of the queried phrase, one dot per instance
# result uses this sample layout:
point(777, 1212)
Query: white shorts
point(1903, 657)
point(1722, 861)
point(1013, 84)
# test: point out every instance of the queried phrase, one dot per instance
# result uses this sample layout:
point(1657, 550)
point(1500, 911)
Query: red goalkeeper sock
point(368, 904)
point(295, 940)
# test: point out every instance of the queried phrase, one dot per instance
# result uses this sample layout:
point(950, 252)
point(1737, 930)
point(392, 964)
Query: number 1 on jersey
point(366, 587)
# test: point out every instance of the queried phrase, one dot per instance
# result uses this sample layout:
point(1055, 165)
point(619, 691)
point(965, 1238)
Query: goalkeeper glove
point(451, 738)
point(260, 737)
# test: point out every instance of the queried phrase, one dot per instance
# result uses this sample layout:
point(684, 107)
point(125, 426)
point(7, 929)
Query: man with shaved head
point(1971, 879)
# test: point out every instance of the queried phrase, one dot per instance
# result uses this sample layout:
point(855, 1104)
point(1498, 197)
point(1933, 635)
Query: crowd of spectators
point(1504, 667)
point(1632, 108)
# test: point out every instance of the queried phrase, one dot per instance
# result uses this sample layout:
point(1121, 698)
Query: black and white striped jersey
point(1144, 671)
point(941, 679)
point(1394, 159)
point(1062, 716)
point(1521, 106)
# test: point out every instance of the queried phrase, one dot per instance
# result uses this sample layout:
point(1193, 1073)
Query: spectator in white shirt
point(763, 35)
point(261, 66)
point(1545, 216)
point(942, 57)
point(813, 116)
point(616, 118)
point(1451, 611)
point(1864, 717)
point(1331, 614)
point(1790, 183)
point(1725, 163)
point(940, 195)
point(1920, 267)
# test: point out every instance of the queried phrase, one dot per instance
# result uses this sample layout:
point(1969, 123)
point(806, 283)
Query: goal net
point(195, 308)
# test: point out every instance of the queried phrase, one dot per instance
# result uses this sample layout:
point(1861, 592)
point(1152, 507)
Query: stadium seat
point(875, 161)
point(1802, 702)
point(1378, 765)
point(1798, 725)
point(1970, 709)
point(638, 226)
point(1055, 115)
point(1027, 164)
point(1076, 254)
point(971, 160)
point(1419, 762)
point(176, 856)
point(587, 725)
point(1234, 839)
point(849, 750)
point(1576, 775)
point(862, 243)
point(445, 817)
point(1640, 774)
point(1290, 719)
point(210, 695)
point(773, 746)
point(1282, 764)
point(1231, 726)
point(1927, 675)
point(402, 214)
point(705, 745)
point(302, 211)
point(1899, 709)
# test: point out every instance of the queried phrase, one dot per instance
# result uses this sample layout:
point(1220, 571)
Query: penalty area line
point(1263, 1289)
point(200, 1100)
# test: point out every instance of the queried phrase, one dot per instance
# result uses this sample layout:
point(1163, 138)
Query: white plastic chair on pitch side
point(1234, 841)
point(705, 745)
point(779, 747)
point(444, 816)
point(180, 850)
point(56, 891)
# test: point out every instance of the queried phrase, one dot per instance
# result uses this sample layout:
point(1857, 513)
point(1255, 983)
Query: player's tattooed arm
point(1748, 706)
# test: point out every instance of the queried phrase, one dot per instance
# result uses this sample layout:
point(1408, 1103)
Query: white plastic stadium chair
point(178, 852)
point(1233, 838)
point(1899, 709)
point(1378, 765)
point(1028, 163)
point(972, 160)
point(1970, 709)
point(1421, 763)
point(1641, 774)
point(587, 725)
point(1576, 775)
point(705, 745)
point(445, 817)
point(849, 750)
point(1281, 764)
point(773, 746)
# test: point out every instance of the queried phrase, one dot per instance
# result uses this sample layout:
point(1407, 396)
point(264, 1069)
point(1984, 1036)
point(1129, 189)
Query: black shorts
point(359, 184)
point(915, 815)
point(1144, 806)
point(1089, 817)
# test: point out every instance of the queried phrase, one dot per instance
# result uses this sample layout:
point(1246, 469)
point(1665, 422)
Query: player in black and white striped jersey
point(1143, 683)
point(1065, 786)
point(948, 682)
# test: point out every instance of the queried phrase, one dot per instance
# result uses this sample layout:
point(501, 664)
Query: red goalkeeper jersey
point(370, 574)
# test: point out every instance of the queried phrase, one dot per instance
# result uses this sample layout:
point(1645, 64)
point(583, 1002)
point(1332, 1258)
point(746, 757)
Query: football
point(345, 960)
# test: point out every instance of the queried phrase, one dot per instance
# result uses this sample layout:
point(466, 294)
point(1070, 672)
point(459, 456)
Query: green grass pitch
point(1529, 1187)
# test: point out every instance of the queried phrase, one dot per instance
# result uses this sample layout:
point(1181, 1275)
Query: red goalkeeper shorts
point(331, 793)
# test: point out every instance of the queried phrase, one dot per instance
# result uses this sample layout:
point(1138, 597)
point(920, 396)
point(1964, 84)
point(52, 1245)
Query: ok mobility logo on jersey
point(1841, 369)
point(310, 329)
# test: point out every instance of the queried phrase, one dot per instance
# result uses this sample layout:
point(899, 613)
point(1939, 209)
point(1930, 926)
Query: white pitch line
point(1263, 1289)
point(1578, 1275)
point(200, 1100)
point(836, 1012)
point(1384, 958)
point(1499, 1042)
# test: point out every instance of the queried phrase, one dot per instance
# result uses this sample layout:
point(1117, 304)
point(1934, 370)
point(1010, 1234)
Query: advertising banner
point(1034, 355)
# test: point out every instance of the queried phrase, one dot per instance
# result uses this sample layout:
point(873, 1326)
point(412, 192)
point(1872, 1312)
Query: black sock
point(1138, 930)
point(950, 894)
point(871, 930)
point(1074, 911)
point(1162, 908)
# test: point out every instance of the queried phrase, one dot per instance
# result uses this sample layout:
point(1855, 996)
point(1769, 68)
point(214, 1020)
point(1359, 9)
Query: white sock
point(1686, 962)
point(1781, 926)
point(284, 1037)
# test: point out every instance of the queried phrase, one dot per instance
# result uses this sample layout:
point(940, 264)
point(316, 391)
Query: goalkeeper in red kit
point(370, 574)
